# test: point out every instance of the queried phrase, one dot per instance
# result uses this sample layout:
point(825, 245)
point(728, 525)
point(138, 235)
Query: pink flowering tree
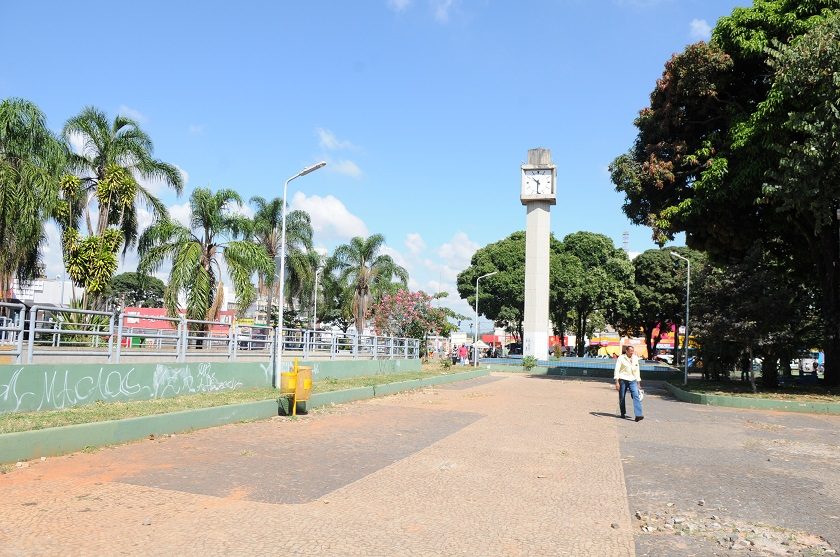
point(406, 314)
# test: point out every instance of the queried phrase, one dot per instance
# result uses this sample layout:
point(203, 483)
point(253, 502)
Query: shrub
point(529, 362)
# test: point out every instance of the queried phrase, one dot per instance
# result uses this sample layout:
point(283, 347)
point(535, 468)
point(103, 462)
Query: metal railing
point(67, 333)
point(11, 330)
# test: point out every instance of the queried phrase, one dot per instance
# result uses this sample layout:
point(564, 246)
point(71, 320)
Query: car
point(665, 358)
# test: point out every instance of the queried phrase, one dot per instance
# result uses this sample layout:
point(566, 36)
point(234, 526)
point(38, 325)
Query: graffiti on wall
point(57, 389)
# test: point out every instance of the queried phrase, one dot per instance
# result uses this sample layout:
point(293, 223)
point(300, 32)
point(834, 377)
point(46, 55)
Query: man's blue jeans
point(623, 386)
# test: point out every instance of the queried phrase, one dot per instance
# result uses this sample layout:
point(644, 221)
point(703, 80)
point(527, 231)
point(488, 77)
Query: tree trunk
point(677, 348)
point(649, 341)
point(828, 266)
point(770, 370)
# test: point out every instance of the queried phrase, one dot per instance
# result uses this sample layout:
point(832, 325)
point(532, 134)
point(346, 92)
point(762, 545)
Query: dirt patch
point(681, 530)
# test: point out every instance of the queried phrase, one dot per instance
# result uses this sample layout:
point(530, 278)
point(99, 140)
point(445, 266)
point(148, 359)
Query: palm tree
point(31, 159)
point(360, 263)
point(113, 157)
point(196, 252)
point(267, 224)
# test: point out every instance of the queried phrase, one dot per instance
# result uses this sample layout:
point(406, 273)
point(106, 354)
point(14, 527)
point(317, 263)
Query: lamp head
point(312, 168)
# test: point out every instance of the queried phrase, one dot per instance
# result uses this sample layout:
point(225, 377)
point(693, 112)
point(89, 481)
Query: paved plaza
point(507, 465)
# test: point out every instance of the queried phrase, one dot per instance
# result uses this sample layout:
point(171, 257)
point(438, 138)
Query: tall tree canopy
point(361, 264)
point(660, 289)
point(586, 274)
point(31, 160)
point(106, 181)
point(114, 156)
point(135, 289)
point(606, 284)
point(196, 253)
point(299, 255)
point(736, 131)
point(501, 296)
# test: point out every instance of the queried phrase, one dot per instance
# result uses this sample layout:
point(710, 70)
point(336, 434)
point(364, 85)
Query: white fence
point(51, 332)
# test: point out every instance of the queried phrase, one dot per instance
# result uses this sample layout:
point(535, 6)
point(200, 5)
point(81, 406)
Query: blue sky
point(423, 109)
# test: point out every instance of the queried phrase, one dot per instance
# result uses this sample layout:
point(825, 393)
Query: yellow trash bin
point(303, 387)
point(288, 382)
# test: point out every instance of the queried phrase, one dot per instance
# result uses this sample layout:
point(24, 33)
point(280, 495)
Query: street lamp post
point(687, 294)
point(278, 333)
point(475, 331)
point(315, 300)
point(61, 278)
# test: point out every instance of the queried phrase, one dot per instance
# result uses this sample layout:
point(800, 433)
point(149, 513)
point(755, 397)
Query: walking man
point(628, 376)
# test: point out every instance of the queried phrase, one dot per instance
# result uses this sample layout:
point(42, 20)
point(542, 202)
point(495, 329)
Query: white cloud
point(195, 129)
point(51, 251)
point(77, 143)
point(414, 242)
point(180, 213)
point(328, 140)
point(398, 258)
point(244, 210)
point(330, 218)
point(132, 113)
point(700, 29)
point(399, 5)
point(441, 9)
point(346, 167)
point(458, 252)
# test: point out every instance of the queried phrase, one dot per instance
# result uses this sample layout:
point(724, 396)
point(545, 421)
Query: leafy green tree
point(501, 296)
point(31, 160)
point(337, 306)
point(361, 264)
point(114, 155)
point(723, 144)
point(104, 182)
point(566, 284)
point(658, 290)
point(299, 255)
point(196, 253)
point(606, 284)
point(800, 123)
point(752, 307)
point(135, 289)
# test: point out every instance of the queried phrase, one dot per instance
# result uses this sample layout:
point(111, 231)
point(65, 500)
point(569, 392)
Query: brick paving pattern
point(514, 466)
point(504, 466)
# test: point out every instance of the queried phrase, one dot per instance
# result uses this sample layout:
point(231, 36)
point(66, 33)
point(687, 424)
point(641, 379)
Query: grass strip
point(792, 393)
point(103, 411)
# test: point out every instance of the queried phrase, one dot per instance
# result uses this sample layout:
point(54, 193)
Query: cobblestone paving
point(506, 465)
point(516, 466)
point(719, 481)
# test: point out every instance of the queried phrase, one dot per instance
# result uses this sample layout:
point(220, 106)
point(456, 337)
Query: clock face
point(537, 182)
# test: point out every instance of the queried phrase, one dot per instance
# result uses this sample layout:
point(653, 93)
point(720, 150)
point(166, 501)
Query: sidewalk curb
point(27, 445)
point(754, 403)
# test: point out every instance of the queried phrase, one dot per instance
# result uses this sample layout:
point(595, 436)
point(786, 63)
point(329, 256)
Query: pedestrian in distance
point(628, 377)
point(462, 354)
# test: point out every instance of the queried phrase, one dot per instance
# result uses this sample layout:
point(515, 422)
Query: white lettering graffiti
point(62, 389)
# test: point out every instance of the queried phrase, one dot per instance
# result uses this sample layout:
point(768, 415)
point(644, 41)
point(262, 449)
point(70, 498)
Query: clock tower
point(538, 194)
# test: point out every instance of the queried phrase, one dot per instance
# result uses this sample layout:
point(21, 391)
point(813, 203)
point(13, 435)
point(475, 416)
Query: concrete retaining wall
point(60, 440)
point(32, 387)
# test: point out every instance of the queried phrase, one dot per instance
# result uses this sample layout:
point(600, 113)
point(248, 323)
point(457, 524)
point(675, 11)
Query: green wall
point(27, 388)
